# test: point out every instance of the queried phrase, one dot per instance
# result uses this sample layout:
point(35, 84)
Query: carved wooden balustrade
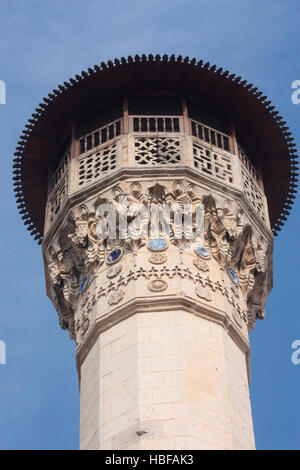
point(154, 140)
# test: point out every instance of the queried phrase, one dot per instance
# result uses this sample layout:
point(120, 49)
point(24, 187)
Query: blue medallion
point(203, 252)
point(233, 276)
point(114, 256)
point(83, 283)
point(157, 244)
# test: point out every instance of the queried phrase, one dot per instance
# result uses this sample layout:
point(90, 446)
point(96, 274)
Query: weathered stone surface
point(161, 331)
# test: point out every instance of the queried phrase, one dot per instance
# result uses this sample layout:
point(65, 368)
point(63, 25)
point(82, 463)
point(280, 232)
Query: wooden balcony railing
point(248, 164)
point(213, 137)
point(101, 135)
point(59, 172)
point(155, 124)
point(154, 144)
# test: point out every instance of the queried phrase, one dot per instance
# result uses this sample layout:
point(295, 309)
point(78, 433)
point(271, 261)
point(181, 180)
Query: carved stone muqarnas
point(233, 242)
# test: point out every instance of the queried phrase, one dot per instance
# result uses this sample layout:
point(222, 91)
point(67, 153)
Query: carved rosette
point(116, 297)
point(82, 325)
point(114, 271)
point(203, 293)
point(201, 265)
point(228, 240)
point(237, 315)
point(158, 258)
point(157, 285)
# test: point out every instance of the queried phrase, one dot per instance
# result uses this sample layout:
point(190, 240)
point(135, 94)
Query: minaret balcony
point(144, 143)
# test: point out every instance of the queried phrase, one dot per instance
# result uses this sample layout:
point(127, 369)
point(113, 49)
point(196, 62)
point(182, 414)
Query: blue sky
point(44, 43)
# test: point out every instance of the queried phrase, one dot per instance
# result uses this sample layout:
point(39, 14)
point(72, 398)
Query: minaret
point(161, 315)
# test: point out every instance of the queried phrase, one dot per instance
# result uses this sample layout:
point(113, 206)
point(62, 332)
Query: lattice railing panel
point(210, 135)
point(155, 124)
point(59, 172)
point(213, 164)
point(248, 164)
point(253, 193)
point(96, 164)
point(56, 201)
point(100, 136)
point(157, 151)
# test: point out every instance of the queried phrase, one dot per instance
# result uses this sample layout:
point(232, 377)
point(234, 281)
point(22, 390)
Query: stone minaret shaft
point(160, 318)
point(161, 324)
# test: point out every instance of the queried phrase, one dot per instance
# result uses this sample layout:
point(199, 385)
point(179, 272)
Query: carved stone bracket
point(79, 249)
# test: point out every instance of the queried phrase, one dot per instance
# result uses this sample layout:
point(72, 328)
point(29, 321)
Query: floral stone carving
point(203, 293)
point(201, 265)
point(114, 271)
point(158, 258)
point(157, 285)
point(116, 297)
point(77, 250)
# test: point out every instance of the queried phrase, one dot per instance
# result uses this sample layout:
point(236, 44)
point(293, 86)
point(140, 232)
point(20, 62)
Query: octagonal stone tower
point(161, 320)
